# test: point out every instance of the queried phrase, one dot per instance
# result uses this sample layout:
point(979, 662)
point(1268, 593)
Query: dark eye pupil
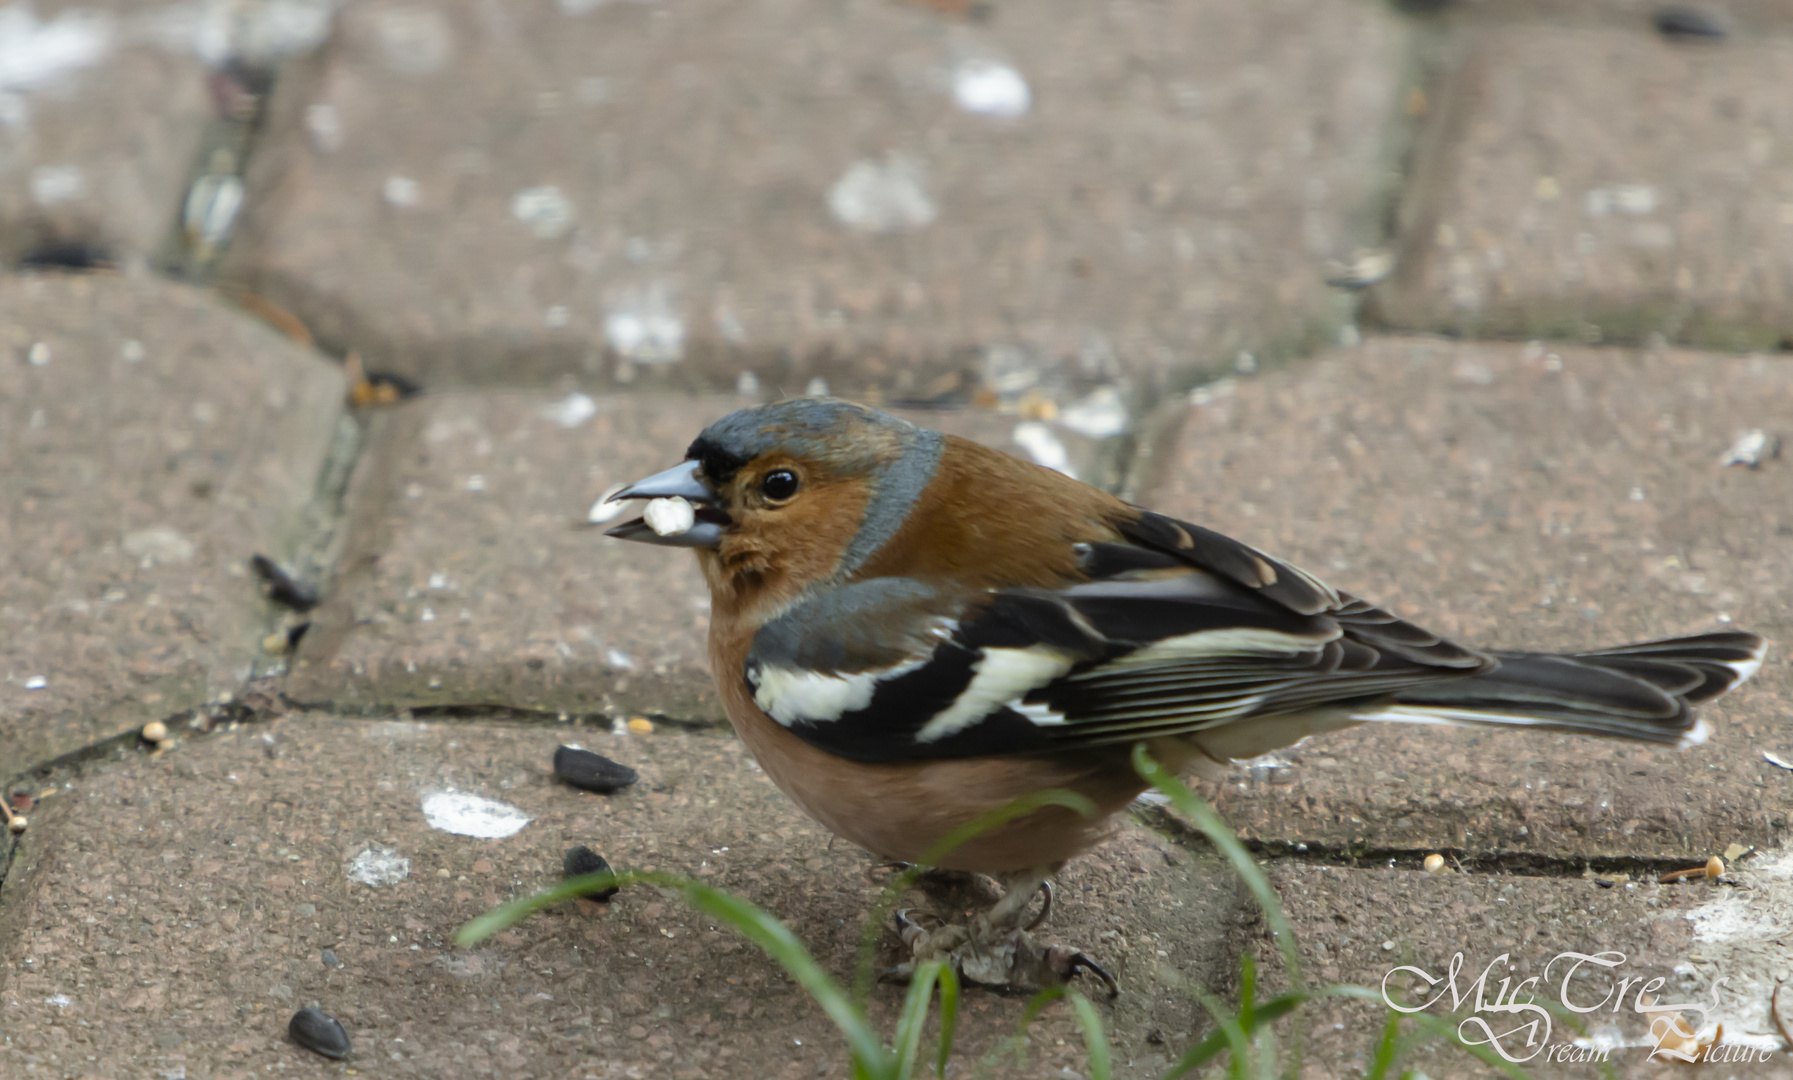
point(779, 484)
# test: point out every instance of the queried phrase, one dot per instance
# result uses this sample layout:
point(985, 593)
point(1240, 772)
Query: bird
point(910, 630)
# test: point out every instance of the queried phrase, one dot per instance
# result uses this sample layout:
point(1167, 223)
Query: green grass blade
point(750, 920)
point(1386, 1047)
point(504, 916)
point(914, 1017)
point(1095, 1037)
point(1209, 1048)
point(949, 1017)
point(1002, 815)
point(1217, 832)
point(777, 941)
point(1236, 1040)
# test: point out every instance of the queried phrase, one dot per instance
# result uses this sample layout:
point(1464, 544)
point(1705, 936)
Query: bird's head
point(804, 490)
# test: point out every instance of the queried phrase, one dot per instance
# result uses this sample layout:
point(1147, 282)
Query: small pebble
point(1434, 863)
point(36, 682)
point(640, 725)
point(328, 956)
point(593, 772)
point(320, 1032)
point(582, 860)
point(155, 731)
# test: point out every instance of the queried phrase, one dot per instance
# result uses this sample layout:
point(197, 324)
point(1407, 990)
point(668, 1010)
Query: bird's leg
point(995, 949)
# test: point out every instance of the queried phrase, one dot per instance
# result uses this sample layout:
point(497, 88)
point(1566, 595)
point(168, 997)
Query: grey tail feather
point(1644, 691)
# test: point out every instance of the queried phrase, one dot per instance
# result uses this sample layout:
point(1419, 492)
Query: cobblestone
point(216, 927)
point(151, 441)
point(687, 190)
point(99, 124)
point(1594, 183)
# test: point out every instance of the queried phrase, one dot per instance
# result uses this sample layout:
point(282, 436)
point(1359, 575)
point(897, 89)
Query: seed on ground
point(1434, 863)
point(320, 1032)
point(155, 731)
point(582, 860)
point(593, 772)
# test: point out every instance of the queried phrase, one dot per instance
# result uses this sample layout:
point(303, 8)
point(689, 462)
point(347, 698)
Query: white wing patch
point(791, 697)
point(1003, 677)
point(1208, 644)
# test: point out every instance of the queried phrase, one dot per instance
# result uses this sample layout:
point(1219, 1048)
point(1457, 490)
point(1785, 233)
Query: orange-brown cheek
point(791, 546)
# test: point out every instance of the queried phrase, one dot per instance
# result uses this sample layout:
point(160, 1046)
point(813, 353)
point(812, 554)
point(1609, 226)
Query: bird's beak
point(679, 482)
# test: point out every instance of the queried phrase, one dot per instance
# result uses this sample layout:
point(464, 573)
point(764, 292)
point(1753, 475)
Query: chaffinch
point(910, 629)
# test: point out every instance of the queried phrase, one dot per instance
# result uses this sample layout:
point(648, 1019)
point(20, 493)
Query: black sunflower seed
point(593, 772)
point(318, 1031)
point(583, 860)
point(1680, 21)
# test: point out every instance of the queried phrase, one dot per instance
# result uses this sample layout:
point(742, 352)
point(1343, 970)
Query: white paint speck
point(817, 387)
point(36, 682)
point(38, 355)
point(132, 351)
point(324, 126)
point(669, 517)
point(1043, 446)
point(990, 88)
point(427, 615)
point(376, 866)
point(160, 544)
point(401, 191)
point(1100, 414)
point(35, 54)
point(643, 327)
point(53, 184)
point(470, 815)
point(544, 209)
point(572, 410)
point(1751, 449)
point(61, 1001)
point(882, 197)
point(476, 482)
point(414, 40)
point(619, 660)
point(438, 580)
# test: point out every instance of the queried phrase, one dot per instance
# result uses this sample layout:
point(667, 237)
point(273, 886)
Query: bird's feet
point(996, 948)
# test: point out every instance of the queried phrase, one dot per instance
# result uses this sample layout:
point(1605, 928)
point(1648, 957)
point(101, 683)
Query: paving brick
point(94, 153)
point(469, 576)
point(1511, 497)
point(212, 878)
point(151, 440)
point(467, 196)
point(1357, 926)
point(1594, 183)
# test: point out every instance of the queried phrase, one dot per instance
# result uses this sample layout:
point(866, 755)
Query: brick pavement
point(586, 228)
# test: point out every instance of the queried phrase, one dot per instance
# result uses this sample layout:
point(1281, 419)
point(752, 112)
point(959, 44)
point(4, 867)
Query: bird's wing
point(1179, 630)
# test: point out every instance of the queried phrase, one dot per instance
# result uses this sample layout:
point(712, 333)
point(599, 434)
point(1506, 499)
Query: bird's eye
point(779, 485)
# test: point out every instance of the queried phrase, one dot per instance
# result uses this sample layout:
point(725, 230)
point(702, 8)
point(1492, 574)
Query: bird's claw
point(992, 956)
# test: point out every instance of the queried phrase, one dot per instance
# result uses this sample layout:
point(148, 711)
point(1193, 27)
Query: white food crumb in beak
point(669, 517)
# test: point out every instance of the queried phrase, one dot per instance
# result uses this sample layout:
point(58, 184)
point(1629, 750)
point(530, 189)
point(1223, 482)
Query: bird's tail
point(1645, 691)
